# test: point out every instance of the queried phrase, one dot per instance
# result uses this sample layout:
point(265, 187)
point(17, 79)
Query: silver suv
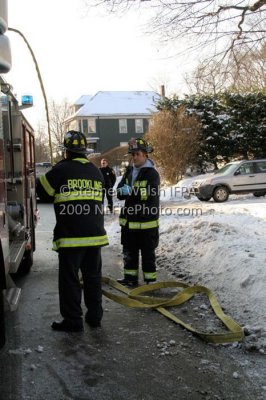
point(236, 177)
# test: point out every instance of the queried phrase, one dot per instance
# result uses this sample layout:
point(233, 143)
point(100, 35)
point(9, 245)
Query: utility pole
point(43, 91)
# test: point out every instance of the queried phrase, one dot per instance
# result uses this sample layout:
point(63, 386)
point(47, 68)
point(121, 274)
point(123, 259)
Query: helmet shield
point(137, 145)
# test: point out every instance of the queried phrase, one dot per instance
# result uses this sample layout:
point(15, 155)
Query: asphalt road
point(136, 355)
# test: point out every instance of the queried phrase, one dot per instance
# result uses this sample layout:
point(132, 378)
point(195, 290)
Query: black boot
point(129, 283)
point(91, 323)
point(67, 326)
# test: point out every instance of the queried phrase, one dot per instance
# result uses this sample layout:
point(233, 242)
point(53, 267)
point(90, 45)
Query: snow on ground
point(218, 245)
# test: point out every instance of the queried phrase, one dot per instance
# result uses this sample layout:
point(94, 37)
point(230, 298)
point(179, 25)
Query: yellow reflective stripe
point(150, 275)
point(143, 193)
point(78, 195)
point(80, 242)
point(132, 272)
point(46, 185)
point(82, 160)
point(122, 221)
point(140, 183)
point(144, 225)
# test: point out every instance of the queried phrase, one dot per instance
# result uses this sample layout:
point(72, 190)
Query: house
point(110, 119)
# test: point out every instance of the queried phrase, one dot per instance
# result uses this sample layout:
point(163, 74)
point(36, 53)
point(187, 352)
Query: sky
point(82, 51)
point(204, 243)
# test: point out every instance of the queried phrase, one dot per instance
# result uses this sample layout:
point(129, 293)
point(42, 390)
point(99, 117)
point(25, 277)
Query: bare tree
point(42, 150)
point(247, 72)
point(220, 25)
point(175, 137)
point(58, 114)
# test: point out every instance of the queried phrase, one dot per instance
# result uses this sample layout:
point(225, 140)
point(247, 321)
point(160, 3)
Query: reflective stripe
point(96, 195)
point(82, 160)
point(131, 272)
point(122, 221)
point(144, 225)
point(80, 242)
point(143, 193)
point(140, 183)
point(46, 185)
point(77, 142)
point(149, 275)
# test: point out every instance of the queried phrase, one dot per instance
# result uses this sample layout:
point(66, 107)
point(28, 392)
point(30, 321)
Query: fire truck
point(18, 208)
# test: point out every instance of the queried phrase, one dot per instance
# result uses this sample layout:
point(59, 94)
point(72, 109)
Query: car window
point(245, 169)
point(261, 166)
point(225, 169)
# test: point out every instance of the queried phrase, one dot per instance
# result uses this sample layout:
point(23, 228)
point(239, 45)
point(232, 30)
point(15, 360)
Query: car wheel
point(220, 194)
point(203, 198)
point(259, 194)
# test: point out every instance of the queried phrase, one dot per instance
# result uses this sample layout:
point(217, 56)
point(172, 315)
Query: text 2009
point(77, 209)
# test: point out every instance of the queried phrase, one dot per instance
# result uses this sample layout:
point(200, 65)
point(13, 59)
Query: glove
point(125, 190)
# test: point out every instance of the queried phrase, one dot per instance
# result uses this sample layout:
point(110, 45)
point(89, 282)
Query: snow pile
point(221, 246)
point(225, 250)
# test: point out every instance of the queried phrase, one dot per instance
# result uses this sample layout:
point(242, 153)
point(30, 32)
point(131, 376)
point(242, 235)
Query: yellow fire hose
point(136, 299)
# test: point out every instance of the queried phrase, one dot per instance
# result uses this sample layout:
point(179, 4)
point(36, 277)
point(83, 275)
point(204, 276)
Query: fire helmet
point(75, 142)
point(139, 144)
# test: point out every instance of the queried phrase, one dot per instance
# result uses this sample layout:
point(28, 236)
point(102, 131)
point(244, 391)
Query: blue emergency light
point(26, 100)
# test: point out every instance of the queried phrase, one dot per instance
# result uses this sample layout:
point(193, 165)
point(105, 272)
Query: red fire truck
point(18, 209)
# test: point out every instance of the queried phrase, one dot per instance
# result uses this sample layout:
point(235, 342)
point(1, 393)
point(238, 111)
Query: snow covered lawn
point(218, 245)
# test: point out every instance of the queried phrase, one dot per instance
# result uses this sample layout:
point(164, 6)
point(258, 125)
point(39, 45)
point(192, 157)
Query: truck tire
point(27, 260)
point(2, 321)
point(220, 194)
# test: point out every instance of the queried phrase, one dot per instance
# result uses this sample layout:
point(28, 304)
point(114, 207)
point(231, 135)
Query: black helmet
point(76, 142)
point(139, 144)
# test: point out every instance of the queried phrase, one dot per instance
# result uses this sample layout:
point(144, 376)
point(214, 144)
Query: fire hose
point(138, 298)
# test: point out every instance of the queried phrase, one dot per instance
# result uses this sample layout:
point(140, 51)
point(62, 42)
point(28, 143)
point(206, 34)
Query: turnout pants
point(142, 242)
point(88, 260)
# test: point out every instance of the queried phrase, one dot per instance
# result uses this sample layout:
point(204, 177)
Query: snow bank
point(221, 246)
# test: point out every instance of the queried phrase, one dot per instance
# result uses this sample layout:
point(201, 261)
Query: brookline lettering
point(79, 184)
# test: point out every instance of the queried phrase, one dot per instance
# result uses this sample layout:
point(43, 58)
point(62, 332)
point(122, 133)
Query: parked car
point(42, 168)
point(237, 177)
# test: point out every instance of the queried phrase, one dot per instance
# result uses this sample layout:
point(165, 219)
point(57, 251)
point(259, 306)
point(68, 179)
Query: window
point(122, 126)
point(246, 169)
point(261, 166)
point(84, 126)
point(91, 125)
point(87, 125)
point(139, 125)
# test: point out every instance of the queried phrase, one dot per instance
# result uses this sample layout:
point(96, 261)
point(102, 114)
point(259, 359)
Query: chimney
point(162, 91)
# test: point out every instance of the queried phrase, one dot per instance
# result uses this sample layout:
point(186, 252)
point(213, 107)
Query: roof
point(82, 100)
point(118, 103)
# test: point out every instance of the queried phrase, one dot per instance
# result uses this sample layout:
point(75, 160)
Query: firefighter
point(75, 187)
point(139, 218)
point(109, 181)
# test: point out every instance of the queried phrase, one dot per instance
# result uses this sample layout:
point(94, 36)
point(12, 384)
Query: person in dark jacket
point(109, 181)
point(139, 218)
point(75, 186)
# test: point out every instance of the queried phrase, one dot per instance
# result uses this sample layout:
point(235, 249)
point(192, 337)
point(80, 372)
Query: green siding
point(108, 132)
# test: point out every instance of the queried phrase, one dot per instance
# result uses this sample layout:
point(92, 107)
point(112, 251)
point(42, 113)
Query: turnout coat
point(75, 186)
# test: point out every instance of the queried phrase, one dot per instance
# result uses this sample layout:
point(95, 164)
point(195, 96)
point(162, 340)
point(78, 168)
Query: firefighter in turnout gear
point(139, 218)
point(75, 186)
